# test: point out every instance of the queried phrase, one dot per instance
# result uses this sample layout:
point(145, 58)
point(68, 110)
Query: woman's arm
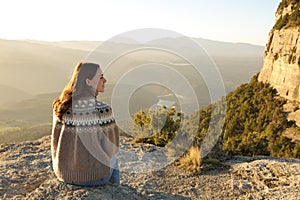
point(56, 130)
point(110, 141)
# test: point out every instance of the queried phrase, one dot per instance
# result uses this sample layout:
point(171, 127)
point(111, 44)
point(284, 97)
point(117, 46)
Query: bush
point(156, 127)
point(287, 20)
point(255, 122)
point(282, 22)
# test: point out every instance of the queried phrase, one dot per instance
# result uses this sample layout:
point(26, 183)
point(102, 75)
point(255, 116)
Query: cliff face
point(282, 54)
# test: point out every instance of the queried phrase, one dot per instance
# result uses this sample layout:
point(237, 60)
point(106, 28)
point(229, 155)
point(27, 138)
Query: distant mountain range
point(34, 67)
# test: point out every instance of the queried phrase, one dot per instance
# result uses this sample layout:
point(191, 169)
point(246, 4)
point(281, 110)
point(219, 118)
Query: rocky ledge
point(26, 173)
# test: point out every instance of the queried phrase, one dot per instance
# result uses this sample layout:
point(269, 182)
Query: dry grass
point(191, 160)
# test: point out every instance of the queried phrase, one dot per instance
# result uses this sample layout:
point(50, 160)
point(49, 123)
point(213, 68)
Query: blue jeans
point(112, 177)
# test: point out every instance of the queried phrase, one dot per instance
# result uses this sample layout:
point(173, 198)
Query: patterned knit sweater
point(84, 141)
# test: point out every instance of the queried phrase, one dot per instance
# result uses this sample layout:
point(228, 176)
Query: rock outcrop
point(282, 54)
point(26, 173)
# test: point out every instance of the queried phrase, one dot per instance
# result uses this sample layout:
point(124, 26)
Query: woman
point(85, 137)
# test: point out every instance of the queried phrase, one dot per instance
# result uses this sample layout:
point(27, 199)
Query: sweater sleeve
point(56, 129)
point(110, 141)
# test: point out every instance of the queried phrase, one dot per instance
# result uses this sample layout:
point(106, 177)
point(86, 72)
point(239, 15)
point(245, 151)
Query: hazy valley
point(34, 72)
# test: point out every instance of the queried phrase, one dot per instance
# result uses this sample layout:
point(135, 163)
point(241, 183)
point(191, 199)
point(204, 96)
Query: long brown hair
point(76, 87)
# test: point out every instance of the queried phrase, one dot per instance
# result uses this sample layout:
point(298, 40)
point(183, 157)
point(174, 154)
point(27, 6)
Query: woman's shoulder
point(88, 112)
point(86, 103)
point(102, 105)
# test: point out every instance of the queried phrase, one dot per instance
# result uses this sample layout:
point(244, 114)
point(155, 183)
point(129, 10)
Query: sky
point(246, 21)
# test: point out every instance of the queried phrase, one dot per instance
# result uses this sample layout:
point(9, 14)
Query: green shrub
point(287, 20)
point(157, 127)
point(255, 121)
point(281, 22)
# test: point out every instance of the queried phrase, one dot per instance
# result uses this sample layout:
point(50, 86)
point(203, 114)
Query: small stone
point(245, 185)
point(151, 195)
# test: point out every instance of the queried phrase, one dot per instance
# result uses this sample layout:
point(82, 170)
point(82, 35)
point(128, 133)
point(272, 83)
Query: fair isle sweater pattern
point(88, 112)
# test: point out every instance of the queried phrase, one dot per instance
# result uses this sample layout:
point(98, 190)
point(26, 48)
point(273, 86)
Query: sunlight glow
point(232, 20)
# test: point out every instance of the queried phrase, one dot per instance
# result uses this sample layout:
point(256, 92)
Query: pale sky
point(247, 21)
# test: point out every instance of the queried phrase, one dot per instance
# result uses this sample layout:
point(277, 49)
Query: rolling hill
point(34, 72)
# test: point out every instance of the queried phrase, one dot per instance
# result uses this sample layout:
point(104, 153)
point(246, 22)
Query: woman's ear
point(88, 82)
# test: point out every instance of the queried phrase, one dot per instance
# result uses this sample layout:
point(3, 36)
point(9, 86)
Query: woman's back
point(85, 137)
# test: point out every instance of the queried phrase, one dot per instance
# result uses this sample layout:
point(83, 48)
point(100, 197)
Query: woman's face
point(98, 81)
